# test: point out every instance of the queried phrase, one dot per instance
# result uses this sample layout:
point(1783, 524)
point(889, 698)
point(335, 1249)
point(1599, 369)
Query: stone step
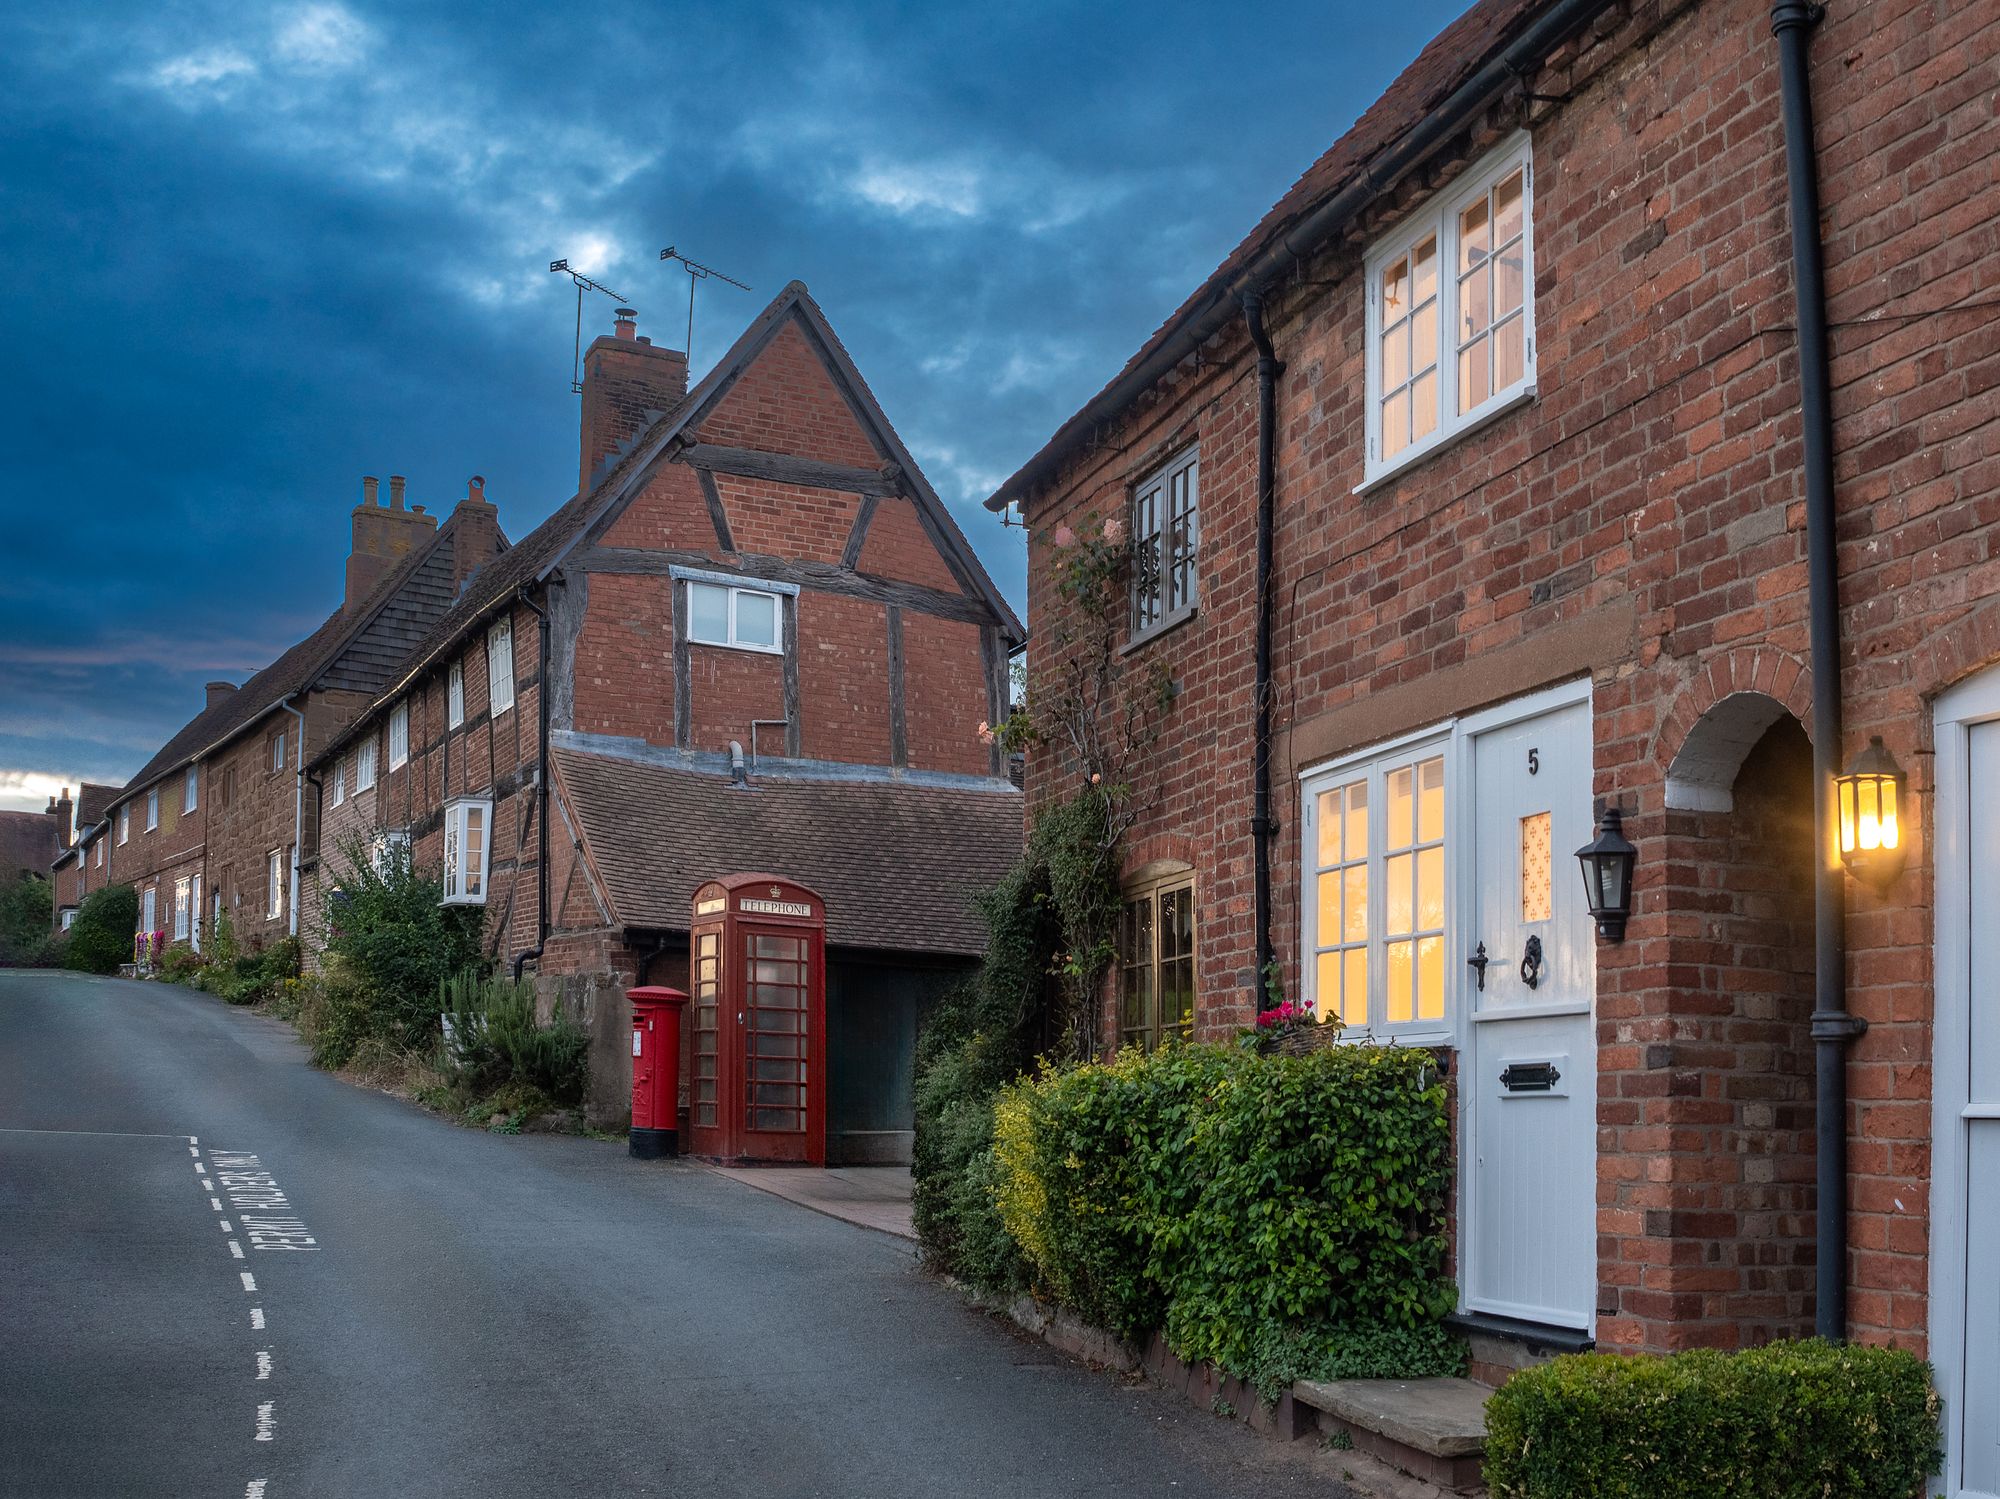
point(1434, 1429)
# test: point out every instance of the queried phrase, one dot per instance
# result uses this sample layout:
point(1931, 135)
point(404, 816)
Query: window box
point(1451, 314)
point(467, 822)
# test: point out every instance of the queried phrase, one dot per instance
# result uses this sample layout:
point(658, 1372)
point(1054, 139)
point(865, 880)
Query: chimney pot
point(475, 488)
point(369, 485)
point(396, 483)
point(625, 324)
point(417, 509)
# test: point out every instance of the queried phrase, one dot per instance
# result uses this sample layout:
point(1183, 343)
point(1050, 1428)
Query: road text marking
point(263, 1364)
point(266, 1421)
point(266, 1213)
point(255, 1490)
point(256, 1319)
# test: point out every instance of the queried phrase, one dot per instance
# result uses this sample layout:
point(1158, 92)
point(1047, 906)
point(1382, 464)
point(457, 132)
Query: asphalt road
point(421, 1309)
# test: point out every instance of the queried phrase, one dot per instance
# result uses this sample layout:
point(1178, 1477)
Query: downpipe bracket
point(1838, 1025)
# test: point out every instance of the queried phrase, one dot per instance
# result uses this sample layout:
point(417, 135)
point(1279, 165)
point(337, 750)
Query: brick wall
point(1640, 522)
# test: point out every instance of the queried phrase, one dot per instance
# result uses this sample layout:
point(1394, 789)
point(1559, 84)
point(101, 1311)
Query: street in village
point(231, 1275)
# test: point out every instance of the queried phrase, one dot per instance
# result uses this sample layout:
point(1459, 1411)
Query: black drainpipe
point(1833, 1029)
point(1261, 826)
point(521, 959)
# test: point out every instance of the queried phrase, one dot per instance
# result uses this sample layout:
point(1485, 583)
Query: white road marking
point(256, 1319)
point(207, 1185)
point(104, 1134)
point(255, 1490)
point(194, 1139)
point(263, 1364)
point(249, 1280)
point(235, 1250)
point(224, 1222)
point(194, 1150)
point(266, 1421)
point(216, 1203)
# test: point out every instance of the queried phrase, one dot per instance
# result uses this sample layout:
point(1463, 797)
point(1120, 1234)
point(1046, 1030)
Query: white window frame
point(191, 792)
point(454, 695)
point(194, 912)
point(735, 592)
point(124, 822)
point(98, 860)
point(278, 752)
point(500, 666)
point(181, 908)
point(68, 917)
point(389, 845)
point(364, 764)
point(1176, 598)
point(399, 736)
point(339, 779)
point(149, 910)
point(274, 884)
point(1440, 217)
point(153, 810)
point(459, 891)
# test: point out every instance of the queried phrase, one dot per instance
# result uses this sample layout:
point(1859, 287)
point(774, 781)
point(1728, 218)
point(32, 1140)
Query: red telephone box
point(757, 1087)
point(656, 1070)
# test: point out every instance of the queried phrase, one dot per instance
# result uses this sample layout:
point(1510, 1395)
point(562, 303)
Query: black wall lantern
point(1871, 827)
point(1607, 875)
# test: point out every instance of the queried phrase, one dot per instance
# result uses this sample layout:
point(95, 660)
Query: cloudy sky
point(254, 253)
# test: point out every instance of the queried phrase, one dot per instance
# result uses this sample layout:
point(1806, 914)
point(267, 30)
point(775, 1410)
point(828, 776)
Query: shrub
point(1278, 1216)
point(246, 979)
point(497, 1041)
point(26, 909)
point(180, 964)
point(1807, 1420)
point(100, 939)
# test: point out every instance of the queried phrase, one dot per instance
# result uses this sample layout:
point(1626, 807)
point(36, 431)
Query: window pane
point(1354, 986)
point(1536, 892)
point(1395, 292)
point(1399, 880)
point(1402, 999)
point(1400, 807)
point(1423, 270)
point(1430, 889)
point(1507, 279)
point(1330, 929)
point(1357, 820)
point(1423, 405)
point(1507, 208)
point(1326, 987)
point(1424, 337)
point(1430, 978)
point(708, 613)
point(1329, 828)
point(1472, 376)
point(1354, 902)
point(1395, 424)
point(1509, 358)
point(1472, 235)
point(1475, 309)
point(757, 619)
point(1396, 356)
point(1430, 800)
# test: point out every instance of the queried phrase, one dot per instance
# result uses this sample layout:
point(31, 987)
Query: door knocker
point(1531, 963)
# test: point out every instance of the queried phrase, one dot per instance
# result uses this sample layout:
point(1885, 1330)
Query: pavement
point(876, 1197)
point(227, 1274)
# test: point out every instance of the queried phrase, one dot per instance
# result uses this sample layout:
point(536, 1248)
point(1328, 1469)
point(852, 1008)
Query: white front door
point(1528, 1085)
point(1965, 1182)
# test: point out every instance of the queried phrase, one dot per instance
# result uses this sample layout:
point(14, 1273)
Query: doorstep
point(1434, 1429)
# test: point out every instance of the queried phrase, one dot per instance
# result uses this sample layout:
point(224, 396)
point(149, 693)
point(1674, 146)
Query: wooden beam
point(789, 604)
point(683, 670)
point(823, 577)
point(850, 557)
point(899, 728)
point(993, 656)
point(716, 514)
point(788, 468)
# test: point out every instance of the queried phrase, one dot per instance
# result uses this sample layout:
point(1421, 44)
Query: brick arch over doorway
point(1708, 1220)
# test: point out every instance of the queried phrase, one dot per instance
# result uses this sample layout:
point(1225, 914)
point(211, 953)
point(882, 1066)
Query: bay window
point(466, 825)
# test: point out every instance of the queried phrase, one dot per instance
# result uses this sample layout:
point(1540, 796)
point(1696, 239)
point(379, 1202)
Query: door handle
point(1531, 962)
point(1477, 963)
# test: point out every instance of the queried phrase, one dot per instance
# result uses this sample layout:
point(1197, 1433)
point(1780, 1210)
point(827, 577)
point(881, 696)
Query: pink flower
point(1065, 537)
point(1095, 778)
point(986, 735)
point(1114, 530)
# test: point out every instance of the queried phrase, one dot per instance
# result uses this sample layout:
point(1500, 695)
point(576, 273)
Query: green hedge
point(1279, 1216)
point(1789, 1421)
point(100, 938)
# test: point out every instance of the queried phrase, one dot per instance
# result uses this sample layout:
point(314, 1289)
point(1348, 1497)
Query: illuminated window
point(1156, 962)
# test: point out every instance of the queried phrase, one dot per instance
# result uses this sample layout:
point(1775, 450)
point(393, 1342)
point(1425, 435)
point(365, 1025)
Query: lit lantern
point(1871, 830)
point(1607, 875)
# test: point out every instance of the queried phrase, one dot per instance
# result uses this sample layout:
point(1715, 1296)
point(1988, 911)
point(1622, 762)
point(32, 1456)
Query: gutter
point(521, 959)
point(1833, 1028)
point(1471, 98)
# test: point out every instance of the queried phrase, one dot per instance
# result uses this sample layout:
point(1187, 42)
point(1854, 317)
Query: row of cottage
point(1606, 424)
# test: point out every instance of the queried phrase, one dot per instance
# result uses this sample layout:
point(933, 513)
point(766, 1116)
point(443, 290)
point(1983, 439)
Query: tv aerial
point(697, 273)
point(583, 284)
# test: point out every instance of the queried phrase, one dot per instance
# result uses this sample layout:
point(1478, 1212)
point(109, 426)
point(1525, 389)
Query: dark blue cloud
point(256, 253)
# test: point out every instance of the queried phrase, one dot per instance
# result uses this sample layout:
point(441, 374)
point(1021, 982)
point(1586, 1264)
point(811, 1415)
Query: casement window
point(194, 911)
point(1156, 962)
point(340, 780)
point(97, 856)
point(182, 909)
point(399, 736)
point(277, 752)
point(149, 909)
point(745, 619)
point(153, 809)
point(454, 695)
point(67, 918)
point(274, 884)
point(389, 852)
point(364, 764)
point(124, 823)
point(500, 666)
point(1376, 906)
point(1166, 542)
point(1451, 313)
point(466, 825)
point(191, 792)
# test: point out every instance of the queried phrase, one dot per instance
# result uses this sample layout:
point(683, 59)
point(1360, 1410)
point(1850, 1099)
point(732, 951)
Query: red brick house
point(79, 868)
point(754, 640)
point(1548, 534)
point(211, 825)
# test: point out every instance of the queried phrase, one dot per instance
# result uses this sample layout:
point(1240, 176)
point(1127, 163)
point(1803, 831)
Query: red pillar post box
point(656, 1070)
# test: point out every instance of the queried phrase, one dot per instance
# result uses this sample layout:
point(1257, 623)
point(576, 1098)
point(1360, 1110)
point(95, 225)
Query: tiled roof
point(1453, 57)
point(92, 799)
point(27, 844)
point(897, 863)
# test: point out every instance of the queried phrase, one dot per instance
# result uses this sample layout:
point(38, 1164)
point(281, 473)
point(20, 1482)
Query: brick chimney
point(217, 691)
point(475, 533)
point(626, 383)
point(382, 537)
point(63, 810)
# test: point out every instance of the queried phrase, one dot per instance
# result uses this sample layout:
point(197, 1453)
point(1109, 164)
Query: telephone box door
point(758, 1079)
